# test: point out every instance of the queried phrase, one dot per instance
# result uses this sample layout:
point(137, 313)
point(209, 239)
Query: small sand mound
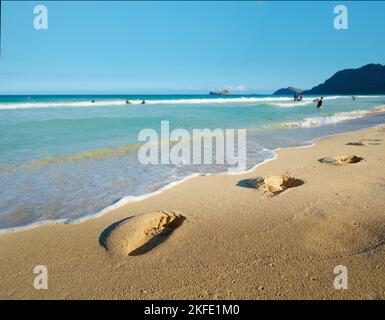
point(349, 159)
point(358, 144)
point(140, 234)
point(341, 160)
point(273, 185)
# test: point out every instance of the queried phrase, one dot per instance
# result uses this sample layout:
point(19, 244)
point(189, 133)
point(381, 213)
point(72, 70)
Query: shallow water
point(66, 158)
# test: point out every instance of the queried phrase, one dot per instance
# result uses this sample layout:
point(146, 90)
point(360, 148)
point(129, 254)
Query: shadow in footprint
point(294, 183)
point(106, 232)
point(158, 239)
point(358, 144)
point(373, 142)
point(252, 183)
point(365, 143)
point(137, 235)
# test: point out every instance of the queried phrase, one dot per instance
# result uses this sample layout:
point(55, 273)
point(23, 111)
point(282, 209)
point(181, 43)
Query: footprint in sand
point(364, 143)
point(373, 142)
point(358, 144)
point(138, 235)
point(337, 233)
point(272, 185)
point(341, 160)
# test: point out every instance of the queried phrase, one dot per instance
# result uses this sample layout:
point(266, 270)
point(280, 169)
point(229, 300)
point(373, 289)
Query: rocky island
point(369, 79)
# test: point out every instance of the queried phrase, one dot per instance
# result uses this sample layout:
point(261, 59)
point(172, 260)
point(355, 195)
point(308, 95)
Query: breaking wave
point(274, 101)
point(331, 119)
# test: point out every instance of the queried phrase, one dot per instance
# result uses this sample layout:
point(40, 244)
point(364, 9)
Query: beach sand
point(219, 237)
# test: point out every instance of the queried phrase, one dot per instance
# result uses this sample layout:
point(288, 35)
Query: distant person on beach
point(354, 98)
point(300, 98)
point(295, 97)
point(319, 103)
point(128, 102)
point(143, 102)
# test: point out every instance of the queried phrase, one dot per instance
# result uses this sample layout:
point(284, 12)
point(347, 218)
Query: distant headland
point(369, 79)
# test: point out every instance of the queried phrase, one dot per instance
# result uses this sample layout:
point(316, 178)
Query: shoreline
point(235, 243)
point(126, 200)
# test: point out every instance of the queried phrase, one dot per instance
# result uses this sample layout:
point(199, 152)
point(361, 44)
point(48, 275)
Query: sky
point(183, 47)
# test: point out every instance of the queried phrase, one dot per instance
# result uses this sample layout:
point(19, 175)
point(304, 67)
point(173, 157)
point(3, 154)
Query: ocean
point(66, 158)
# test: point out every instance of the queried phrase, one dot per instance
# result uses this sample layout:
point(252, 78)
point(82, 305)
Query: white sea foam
point(121, 102)
point(274, 101)
point(290, 104)
point(216, 100)
point(369, 96)
point(305, 102)
point(30, 105)
point(116, 102)
point(333, 118)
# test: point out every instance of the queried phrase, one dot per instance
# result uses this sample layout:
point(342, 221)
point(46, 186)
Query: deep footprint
point(341, 160)
point(272, 185)
point(365, 143)
point(140, 234)
point(358, 144)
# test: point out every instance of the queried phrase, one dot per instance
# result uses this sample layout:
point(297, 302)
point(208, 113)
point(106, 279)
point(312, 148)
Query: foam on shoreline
point(129, 199)
point(331, 119)
point(272, 100)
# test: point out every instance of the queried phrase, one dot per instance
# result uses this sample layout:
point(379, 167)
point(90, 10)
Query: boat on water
point(219, 93)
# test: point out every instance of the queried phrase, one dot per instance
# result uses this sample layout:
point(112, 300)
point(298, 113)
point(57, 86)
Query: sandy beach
point(218, 237)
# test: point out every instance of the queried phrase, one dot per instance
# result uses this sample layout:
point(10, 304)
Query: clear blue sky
point(183, 47)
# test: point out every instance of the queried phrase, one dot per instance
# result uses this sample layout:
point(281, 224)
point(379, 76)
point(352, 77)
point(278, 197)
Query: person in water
point(295, 97)
point(354, 98)
point(128, 102)
point(300, 98)
point(319, 103)
point(143, 102)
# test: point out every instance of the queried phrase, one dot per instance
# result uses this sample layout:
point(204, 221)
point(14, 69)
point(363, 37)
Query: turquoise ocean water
point(64, 158)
